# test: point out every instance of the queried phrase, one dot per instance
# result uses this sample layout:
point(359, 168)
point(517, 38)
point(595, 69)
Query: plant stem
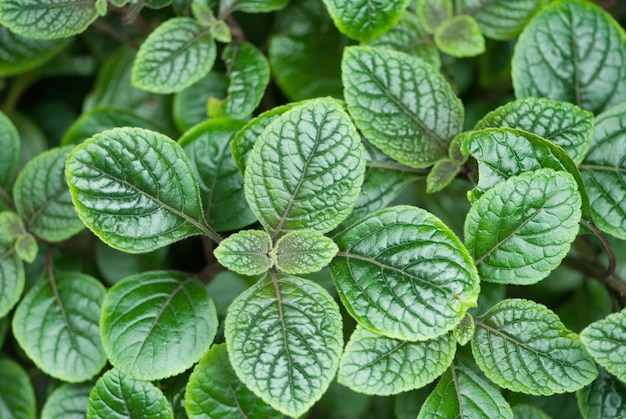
point(114, 33)
point(606, 246)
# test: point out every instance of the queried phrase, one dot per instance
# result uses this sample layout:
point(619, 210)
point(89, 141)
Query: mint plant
point(267, 209)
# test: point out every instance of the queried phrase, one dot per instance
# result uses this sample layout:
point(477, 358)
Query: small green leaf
point(375, 364)
point(461, 393)
point(135, 189)
point(117, 396)
point(176, 55)
point(522, 228)
point(606, 342)
point(10, 146)
point(501, 19)
point(562, 123)
point(402, 273)
point(220, 31)
point(215, 391)
point(190, 105)
point(19, 54)
point(68, 401)
point(432, 13)
point(284, 339)
point(604, 398)
point(251, 6)
point(203, 13)
point(157, 324)
point(464, 331)
point(47, 19)
point(26, 247)
point(527, 411)
point(306, 169)
point(246, 252)
point(17, 397)
point(11, 225)
point(442, 174)
point(12, 277)
point(401, 104)
point(460, 37)
point(56, 324)
point(301, 252)
point(554, 59)
point(523, 346)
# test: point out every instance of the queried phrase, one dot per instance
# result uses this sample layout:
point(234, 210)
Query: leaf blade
point(246, 252)
point(606, 342)
point(17, 397)
point(302, 252)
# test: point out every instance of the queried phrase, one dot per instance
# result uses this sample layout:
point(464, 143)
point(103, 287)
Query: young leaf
point(190, 105)
point(464, 331)
point(56, 324)
point(572, 51)
point(26, 247)
point(157, 324)
point(176, 55)
point(48, 19)
point(116, 395)
point(17, 397)
point(364, 20)
point(215, 391)
point(284, 339)
point(135, 189)
point(460, 37)
point(523, 346)
point(301, 252)
point(306, 169)
point(442, 174)
point(43, 200)
point(375, 364)
point(432, 13)
point(606, 342)
point(522, 228)
point(19, 54)
point(221, 185)
point(10, 146)
point(251, 6)
point(11, 226)
point(68, 401)
point(246, 252)
point(402, 273)
point(401, 104)
point(604, 398)
point(501, 19)
point(12, 277)
point(461, 393)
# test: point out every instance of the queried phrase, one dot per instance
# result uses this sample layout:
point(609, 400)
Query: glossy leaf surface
point(68, 401)
point(606, 342)
point(501, 19)
point(604, 398)
point(460, 37)
point(246, 252)
point(17, 397)
point(301, 252)
point(18, 53)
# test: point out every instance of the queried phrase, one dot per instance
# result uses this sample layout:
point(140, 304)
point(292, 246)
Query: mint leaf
point(10, 146)
point(432, 13)
point(604, 398)
point(190, 105)
point(402, 273)
point(19, 54)
point(12, 277)
point(606, 342)
point(176, 55)
point(301, 252)
point(157, 324)
point(17, 397)
point(523, 346)
point(401, 104)
point(522, 228)
point(460, 37)
point(375, 364)
point(67, 401)
point(246, 252)
point(501, 19)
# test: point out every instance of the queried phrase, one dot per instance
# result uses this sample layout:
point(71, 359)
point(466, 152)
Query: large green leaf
point(215, 391)
point(401, 104)
point(208, 146)
point(606, 342)
point(17, 397)
point(301, 252)
point(572, 51)
point(12, 277)
point(523, 346)
point(68, 401)
point(284, 340)
point(501, 19)
point(177, 54)
point(402, 273)
point(190, 105)
point(375, 364)
point(365, 19)
point(117, 396)
point(306, 169)
point(135, 189)
point(43, 199)
point(10, 146)
point(461, 393)
point(157, 324)
point(522, 228)
point(562, 123)
point(460, 37)
point(246, 252)
point(47, 19)
point(19, 54)
point(56, 324)
point(604, 398)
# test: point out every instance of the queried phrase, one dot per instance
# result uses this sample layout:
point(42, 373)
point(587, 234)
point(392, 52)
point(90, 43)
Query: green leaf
point(56, 324)
point(221, 185)
point(363, 19)
point(464, 331)
point(401, 104)
point(246, 252)
point(190, 105)
point(501, 19)
point(375, 364)
point(177, 54)
point(562, 123)
point(47, 19)
point(604, 398)
point(432, 13)
point(251, 6)
point(402, 273)
point(284, 339)
point(19, 54)
point(220, 31)
point(522, 228)
point(572, 51)
point(17, 397)
point(135, 189)
point(116, 396)
point(523, 346)
point(461, 393)
point(11, 225)
point(306, 169)
point(43, 200)
point(68, 401)
point(527, 411)
point(442, 174)
point(301, 252)
point(26, 247)
point(606, 342)
point(10, 146)
point(604, 172)
point(12, 278)
point(202, 13)
point(215, 391)
point(460, 37)
point(157, 324)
